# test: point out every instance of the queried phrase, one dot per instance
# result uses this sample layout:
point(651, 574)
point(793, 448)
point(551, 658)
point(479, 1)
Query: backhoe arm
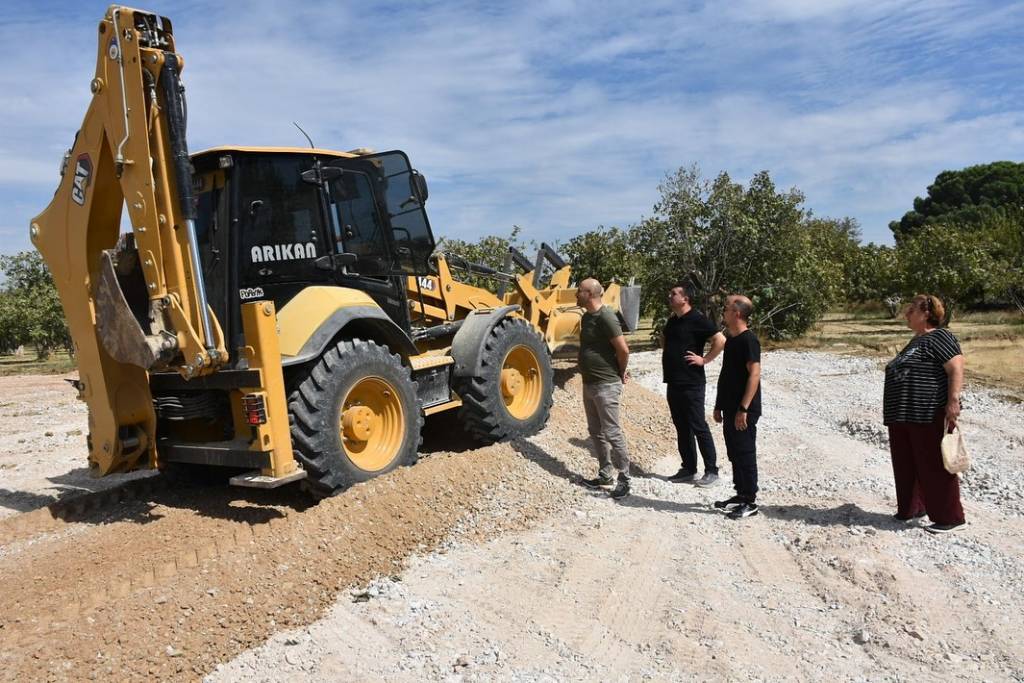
point(129, 151)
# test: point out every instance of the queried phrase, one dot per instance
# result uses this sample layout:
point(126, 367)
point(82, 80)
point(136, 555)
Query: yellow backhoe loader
point(276, 311)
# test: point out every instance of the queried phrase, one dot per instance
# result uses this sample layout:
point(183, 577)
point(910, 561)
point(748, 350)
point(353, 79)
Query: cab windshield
point(282, 233)
point(410, 229)
point(371, 208)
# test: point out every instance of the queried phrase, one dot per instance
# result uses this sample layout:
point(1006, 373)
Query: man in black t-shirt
point(686, 333)
point(738, 405)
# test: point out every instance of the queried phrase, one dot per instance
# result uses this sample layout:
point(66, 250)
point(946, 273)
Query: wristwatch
point(741, 409)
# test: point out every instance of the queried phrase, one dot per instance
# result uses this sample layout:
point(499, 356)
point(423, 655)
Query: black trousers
point(742, 449)
point(686, 404)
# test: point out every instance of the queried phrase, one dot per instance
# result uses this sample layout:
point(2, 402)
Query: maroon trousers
point(922, 483)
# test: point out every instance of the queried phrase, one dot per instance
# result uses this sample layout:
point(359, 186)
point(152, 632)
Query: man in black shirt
point(738, 405)
point(686, 333)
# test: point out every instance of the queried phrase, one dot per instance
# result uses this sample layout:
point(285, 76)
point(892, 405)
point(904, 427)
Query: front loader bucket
point(629, 308)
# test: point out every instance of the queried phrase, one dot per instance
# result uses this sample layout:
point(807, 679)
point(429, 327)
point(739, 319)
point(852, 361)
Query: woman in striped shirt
point(922, 401)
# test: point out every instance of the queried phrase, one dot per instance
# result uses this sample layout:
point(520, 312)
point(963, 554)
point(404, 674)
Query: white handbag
point(954, 452)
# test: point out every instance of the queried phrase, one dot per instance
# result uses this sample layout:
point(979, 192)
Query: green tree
point(606, 254)
point(753, 240)
point(30, 310)
point(490, 251)
point(937, 260)
point(1005, 235)
point(872, 274)
point(836, 241)
point(967, 198)
point(14, 325)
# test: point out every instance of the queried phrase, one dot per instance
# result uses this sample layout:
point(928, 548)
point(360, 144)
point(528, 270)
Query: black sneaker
point(943, 528)
point(682, 476)
point(900, 518)
point(605, 483)
point(742, 510)
point(621, 489)
point(709, 479)
point(724, 505)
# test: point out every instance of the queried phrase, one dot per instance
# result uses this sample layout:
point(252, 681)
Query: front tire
point(512, 396)
point(354, 416)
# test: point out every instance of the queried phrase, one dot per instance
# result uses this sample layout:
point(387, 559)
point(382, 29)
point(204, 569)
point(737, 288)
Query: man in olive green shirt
point(603, 358)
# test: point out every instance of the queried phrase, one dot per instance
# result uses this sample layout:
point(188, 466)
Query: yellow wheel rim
point(521, 382)
point(372, 424)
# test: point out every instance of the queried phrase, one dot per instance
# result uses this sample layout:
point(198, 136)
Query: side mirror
point(321, 174)
point(335, 261)
point(418, 186)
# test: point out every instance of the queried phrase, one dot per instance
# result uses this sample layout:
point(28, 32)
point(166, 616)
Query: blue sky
point(558, 116)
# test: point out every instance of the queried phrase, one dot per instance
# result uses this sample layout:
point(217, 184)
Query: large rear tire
point(354, 416)
point(512, 395)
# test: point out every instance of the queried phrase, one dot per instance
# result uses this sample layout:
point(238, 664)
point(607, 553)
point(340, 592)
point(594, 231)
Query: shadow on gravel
point(251, 506)
point(23, 501)
point(443, 433)
point(547, 462)
point(562, 375)
point(556, 467)
point(67, 486)
point(635, 501)
point(635, 469)
point(842, 515)
point(139, 501)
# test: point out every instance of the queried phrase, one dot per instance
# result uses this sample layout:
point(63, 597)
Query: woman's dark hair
point(932, 306)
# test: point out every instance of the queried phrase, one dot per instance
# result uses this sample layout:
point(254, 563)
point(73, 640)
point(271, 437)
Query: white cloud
point(562, 116)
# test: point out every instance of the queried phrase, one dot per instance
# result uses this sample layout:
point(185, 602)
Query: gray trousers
point(608, 443)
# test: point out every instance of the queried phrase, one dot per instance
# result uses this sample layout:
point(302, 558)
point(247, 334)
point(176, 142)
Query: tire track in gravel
point(823, 533)
point(287, 571)
point(197, 575)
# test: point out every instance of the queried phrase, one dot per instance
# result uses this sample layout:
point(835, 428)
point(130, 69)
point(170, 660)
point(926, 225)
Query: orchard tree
point(1006, 236)
point(872, 274)
point(753, 240)
point(937, 260)
point(490, 251)
point(30, 310)
point(14, 325)
point(604, 254)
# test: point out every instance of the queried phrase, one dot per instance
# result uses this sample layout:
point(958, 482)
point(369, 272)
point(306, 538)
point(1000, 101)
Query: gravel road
point(493, 563)
point(822, 585)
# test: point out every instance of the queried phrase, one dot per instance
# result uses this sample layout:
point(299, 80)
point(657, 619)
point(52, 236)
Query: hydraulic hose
point(175, 109)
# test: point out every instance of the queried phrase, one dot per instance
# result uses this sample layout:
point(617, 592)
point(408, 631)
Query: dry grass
point(992, 341)
point(58, 363)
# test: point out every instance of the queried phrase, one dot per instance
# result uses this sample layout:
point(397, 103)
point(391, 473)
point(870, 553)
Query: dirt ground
point(494, 564)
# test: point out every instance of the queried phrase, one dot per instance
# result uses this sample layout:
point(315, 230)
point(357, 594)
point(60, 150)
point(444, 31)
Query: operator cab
point(271, 222)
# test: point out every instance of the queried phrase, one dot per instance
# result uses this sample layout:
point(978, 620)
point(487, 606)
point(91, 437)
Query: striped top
point(916, 384)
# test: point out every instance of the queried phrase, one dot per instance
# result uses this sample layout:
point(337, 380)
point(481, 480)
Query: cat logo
point(83, 174)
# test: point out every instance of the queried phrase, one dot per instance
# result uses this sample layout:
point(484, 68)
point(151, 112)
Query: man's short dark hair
point(686, 286)
point(743, 309)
